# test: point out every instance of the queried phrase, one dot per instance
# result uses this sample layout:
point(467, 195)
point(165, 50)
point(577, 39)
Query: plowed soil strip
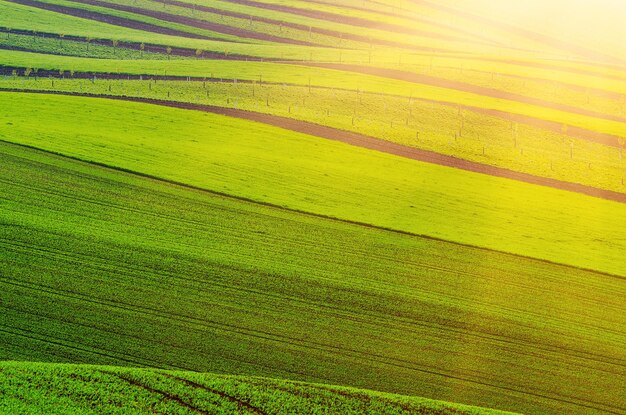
point(341, 19)
point(113, 20)
point(312, 29)
point(147, 47)
point(215, 27)
point(462, 86)
point(368, 142)
point(553, 126)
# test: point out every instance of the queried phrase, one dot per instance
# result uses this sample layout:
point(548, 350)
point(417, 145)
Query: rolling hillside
point(146, 391)
point(418, 198)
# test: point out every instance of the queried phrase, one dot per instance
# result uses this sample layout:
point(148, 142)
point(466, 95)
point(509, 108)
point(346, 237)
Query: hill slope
point(41, 389)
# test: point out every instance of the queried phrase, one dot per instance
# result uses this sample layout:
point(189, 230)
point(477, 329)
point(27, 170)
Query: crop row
point(62, 46)
point(421, 124)
point(208, 283)
point(270, 164)
point(30, 388)
point(21, 17)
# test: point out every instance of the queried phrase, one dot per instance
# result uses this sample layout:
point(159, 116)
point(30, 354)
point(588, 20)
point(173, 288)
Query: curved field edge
point(305, 75)
point(359, 140)
point(113, 268)
point(487, 138)
point(40, 388)
point(302, 172)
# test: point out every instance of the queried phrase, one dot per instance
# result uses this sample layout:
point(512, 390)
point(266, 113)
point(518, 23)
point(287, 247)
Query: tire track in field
point(200, 24)
point(368, 142)
point(112, 20)
point(32, 336)
point(401, 364)
point(368, 318)
point(240, 402)
point(165, 394)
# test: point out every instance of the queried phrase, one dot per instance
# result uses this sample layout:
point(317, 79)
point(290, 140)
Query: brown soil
point(154, 48)
point(113, 20)
point(342, 19)
point(305, 28)
point(577, 132)
point(200, 24)
point(373, 144)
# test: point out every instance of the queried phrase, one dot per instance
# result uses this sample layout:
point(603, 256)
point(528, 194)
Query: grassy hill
point(35, 388)
point(423, 198)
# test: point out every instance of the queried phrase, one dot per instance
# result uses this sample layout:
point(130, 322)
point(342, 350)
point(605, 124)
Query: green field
point(144, 391)
point(301, 172)
point(203, 282)
point(420, 124)
point(410, 207)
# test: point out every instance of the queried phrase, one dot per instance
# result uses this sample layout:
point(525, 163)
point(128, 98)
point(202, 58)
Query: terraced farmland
point(264, 206)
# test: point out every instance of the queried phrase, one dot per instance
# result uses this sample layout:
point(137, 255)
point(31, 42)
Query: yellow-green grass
point(71, 47)
point(38, 388)
point(111, 268)
point(235, 22)
point(28, 18)
point(424, 11)
point(412, 41)
point(467, 64)
point(407, 22)
point(603, 101)
point(296, 74)
point(305, 20)
point(484, 139)
point(302, 172)
point(16, 16)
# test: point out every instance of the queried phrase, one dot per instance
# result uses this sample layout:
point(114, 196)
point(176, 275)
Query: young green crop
point(150, 20)
point(272, 165)
point(84, 389)
point(303, 75)
point(65, 46)
point(16, 16)
point(440, 128)
point(111, 268)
